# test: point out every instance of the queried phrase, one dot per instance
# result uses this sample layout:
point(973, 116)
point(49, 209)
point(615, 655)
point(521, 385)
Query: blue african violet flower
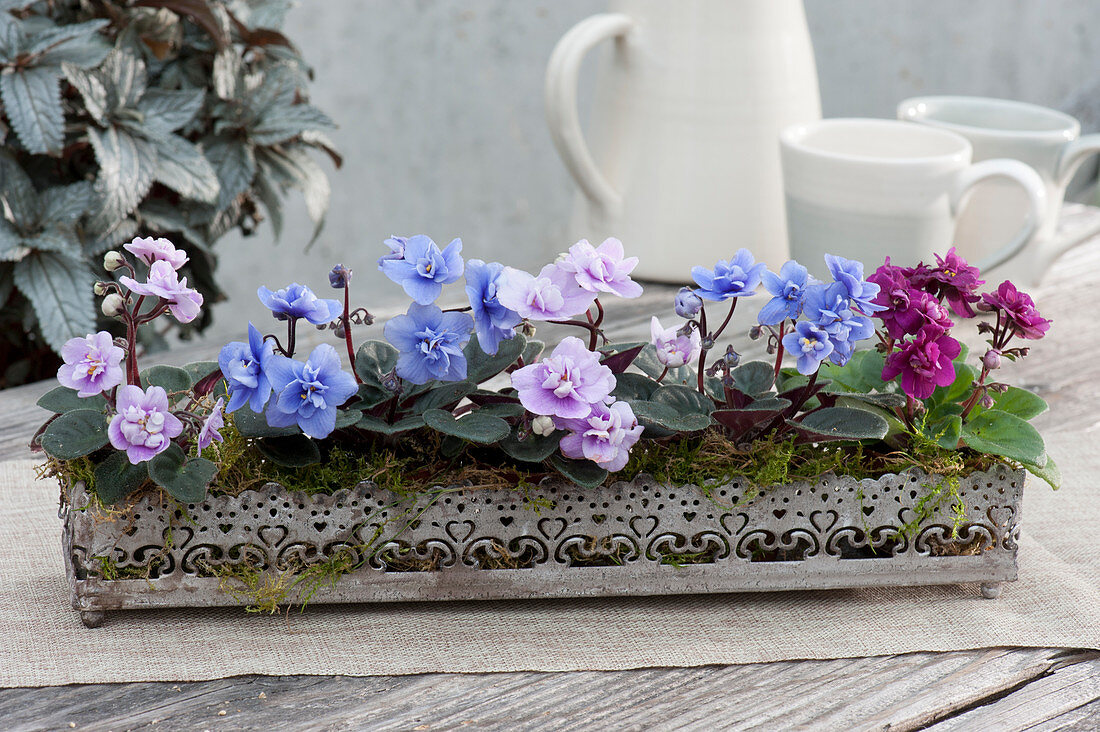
point(422, 269)
point(687, 303)
point(788, 288)
point(242, 365)
point(829, 307)
point(307, 394)
point(397, 249)
point(298, 301)
point(736, 278)
point(810, 344)
point(430, 343)
point(849, 273)
point(493, 321)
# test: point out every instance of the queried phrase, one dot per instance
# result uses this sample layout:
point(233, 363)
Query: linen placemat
point(1055, 603)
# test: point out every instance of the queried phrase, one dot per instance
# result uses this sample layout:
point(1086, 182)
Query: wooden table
point(995, 689)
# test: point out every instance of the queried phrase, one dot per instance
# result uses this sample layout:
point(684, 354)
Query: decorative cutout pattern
point(625, 525)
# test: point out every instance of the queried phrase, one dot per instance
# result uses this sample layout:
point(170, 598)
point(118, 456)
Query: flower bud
point(755, 332)
point(992, 359)
point(732, 357)
point(113, 260)
point(542, 426)
point(687, 303)
point(113, 305)
point(391, 383)
point(987, 402)
point(339, 277)
point(708, 343)
point(340, 332)
point(99, 289)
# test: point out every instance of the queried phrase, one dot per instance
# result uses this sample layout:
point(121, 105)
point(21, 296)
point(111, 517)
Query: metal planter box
point(556, 540)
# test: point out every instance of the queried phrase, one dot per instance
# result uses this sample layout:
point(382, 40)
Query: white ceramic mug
point(868, 188)
point(1047, 140)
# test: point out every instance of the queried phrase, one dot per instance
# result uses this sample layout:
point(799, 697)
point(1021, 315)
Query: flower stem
point(779, 352)
point(593, 330)
point(729, 315)
point(663, 375)
point(703, 350)
point(291, 328)
point(347, 331)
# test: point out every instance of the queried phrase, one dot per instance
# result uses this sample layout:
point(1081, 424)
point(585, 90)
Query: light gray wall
point(440, 110)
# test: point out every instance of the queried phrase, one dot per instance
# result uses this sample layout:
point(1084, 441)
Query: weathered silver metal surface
point(638, 538)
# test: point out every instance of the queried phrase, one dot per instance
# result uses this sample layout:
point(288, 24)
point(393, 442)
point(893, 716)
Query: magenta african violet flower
point(810, 344)
point(602, 268)
point(209, 434)
point(93, 364)
point(952, 280)
point(565, 384)
point(298, 301)
point(163, 282)
point(924, 362)
point(430, 342)
point(307, 394)
point(674, 350)
point(736, 278)
point(422, 269)
point(605, 436)
point(1020, 310)
point(143, 426)
point(150, 250)
point(554, 294)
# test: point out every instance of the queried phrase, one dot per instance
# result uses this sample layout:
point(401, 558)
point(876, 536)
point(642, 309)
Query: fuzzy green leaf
point(957, 390)
point(946, 431)
point(375, 359)
point(475, 427)
point(60, 289)
point(1019, 402)
point(32, 102)
point(480, 366)
point(75, 434)
point(844, 423)
point(63, 399)
point(584, 473)
point(999, 433)
point(251, 424)
point(532, 351)
point(534, 448)
point(662, 415)
point(754, 377)
point(1048, 472)
point(116, 477)
point(683, 399)
point(373, 424)
point(291, 451)
point(630, 386)
point(443, 395)
point(171, 378)
point(198, 370)
point(184, 478)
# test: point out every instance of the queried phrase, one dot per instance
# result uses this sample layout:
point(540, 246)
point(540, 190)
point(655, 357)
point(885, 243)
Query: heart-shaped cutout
point(272, 536)
point(460, 531)
point(727, 520)
point(818, 520)
point(552, 527)
point(643, 526)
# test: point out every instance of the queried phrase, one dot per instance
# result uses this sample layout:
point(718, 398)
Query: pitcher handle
point(561, 102)
point(1032, 184)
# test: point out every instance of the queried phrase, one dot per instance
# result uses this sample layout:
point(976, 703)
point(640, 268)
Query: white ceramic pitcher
point(683, 160)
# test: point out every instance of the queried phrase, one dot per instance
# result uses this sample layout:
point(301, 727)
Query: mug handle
point(561, 102)
point(1074, 154)
point(1028, 179)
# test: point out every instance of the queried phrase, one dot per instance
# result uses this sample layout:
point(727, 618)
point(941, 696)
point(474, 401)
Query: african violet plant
point(127, 118)
point(467, 382)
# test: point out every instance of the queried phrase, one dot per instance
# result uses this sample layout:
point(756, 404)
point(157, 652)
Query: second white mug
point(867, 189)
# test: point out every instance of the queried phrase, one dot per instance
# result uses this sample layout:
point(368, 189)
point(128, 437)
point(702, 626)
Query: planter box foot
point(92, 618)
point(992, 590)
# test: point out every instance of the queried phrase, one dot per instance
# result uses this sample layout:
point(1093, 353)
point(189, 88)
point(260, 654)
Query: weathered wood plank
point(894, 692)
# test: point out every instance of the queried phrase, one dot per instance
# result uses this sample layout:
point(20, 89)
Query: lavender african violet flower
point(603, 268)
point(298, 301)
point(430, 343)
point(492, 320)
point(673, 348)
point(605, 436)
point(143, 426)
point(565, 384)
point(208, 433)
point(422, 269)
point(242, 364)
point(307, 394)
point(163, 282)
point(737, 277)
point(93, 364)
point(554, 294)
point(150, 250)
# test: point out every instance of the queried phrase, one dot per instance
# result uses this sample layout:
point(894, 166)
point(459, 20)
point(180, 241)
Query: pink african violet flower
point(553, 295)
point(209, 434)
point(92, 364)
point(1020, 309)
point(952, 280)
point(602, 268)
point(566, 383)
point(150, 250)
point(924, 362)
point(605, 436)
point(164, 282)
point(143, 426)
point(674, 350)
